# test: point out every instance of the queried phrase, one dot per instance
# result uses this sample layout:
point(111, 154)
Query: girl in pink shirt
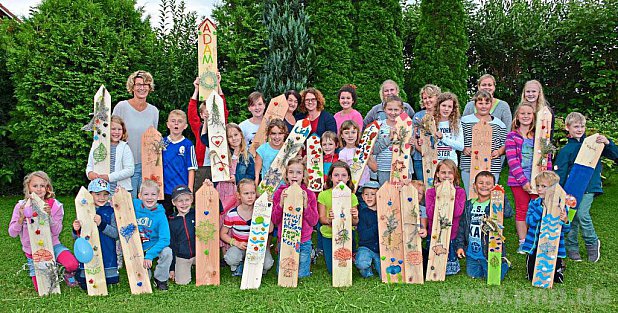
point(347, 99)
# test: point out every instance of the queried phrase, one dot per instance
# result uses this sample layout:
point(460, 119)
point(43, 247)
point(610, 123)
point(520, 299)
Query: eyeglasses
point(145, 86)
point(311, 100)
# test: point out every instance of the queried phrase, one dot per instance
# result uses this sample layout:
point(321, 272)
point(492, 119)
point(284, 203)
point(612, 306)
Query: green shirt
point(326, 198)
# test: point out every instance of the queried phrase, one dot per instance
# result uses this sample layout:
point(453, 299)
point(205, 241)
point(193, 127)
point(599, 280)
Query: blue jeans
point(136, 180)
point(418, 169)
point(477, 268)
point(304, 262)
point(582, 220)
point(365, 258)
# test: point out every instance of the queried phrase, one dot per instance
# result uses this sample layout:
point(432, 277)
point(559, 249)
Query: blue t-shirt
point(527, 154)
point(268, 154)
point(178, 159)
point(475, 248)
point(368, 228)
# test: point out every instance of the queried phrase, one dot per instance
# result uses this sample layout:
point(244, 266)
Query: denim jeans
point(582, 220)
point(304, 261)
point(136, 180)
point(418, 169)
point(477, 268)
point(365, 258)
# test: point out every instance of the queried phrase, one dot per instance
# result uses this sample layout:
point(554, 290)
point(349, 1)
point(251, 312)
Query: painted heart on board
point(217, 140)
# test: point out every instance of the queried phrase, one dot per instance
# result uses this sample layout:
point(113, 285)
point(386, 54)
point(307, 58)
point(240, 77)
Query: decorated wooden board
point(277, 108)
point(441, 232)
point(401, 150)
point(480, 158)
point(207, 58)
point(390, 234)
point(47, 272)
point(495, 225)
point(207, 261)
point(582, 170)
point(130, 241)
point(542, 144)
point(363, 151)
point(294, 202)
point(291, 146)
point(100, 125)
point(95, 269)
point(549, 237)
point(315, 163)
point(342, 236)
point(217, 137)
point(257, 244)
point(429, 149)
point(412, 248)
point(152, 157)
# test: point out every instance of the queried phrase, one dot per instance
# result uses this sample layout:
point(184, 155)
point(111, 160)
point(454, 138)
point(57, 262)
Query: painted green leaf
point(100, 153)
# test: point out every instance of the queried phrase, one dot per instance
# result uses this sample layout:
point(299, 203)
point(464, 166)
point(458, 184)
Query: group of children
point(167, 229)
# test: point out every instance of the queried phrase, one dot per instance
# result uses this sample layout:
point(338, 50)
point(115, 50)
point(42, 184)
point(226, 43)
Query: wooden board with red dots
point(152, 157)
point(542, 141)
point(207, 261)
point(363, 151)
point(217, 136)
point(294, 199)
point(315, 163)
point(277, 108)
point(401, 150)
point(429, 149)
point(496, 240)
point(412, 246)
point(480, 157)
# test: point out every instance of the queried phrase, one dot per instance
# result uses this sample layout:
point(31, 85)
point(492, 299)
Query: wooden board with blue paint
point(549, 237)
point(429, 149)
point(46, 269)
point(294, 201)
point(257, 244)
point(496, 239)
point(542, 144)
point(207, 261)
point(390, 234)
point(94, 270)
point(480, 158)
point(207, 58)
point(292, 145)
point(579, 177)
point(441, 232)
point(277, 108)
point(152, 157)
point(130, 241)
point(100, 125)
point(217, 137)
point(342, 236)
point(412, 246)
point(401, 148)
point(315, 164)
point(363, 152)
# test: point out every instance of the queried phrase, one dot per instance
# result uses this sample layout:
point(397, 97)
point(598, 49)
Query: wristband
point(232, 241)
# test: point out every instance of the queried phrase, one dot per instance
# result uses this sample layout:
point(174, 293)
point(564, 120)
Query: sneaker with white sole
point(574, 255)
point(520, 250)
point(594, 251)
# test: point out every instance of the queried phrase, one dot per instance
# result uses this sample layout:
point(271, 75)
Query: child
point(519, 148)
point(449, 131)
point(576, 126)
point(266, 153)
point(349, 137)
point(472, 241)
point(329, 142)
point(295, 173)
point(533, 219)
point(182, 235)
point(428, 94)
point(368, 252)
point(482, 102)
point(251, 125)
point(347, 99)
point(420, 187)
point(339, 172)
point(236, 226)
point(121, 158)
point(40, 184)
point(533, 92)
point(108, 232)
point(179, 161)
point(154, 231)
point(446, 170)
point(242, 166)
point(382, 148)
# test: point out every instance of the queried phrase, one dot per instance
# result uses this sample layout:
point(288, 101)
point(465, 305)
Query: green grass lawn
point(588, 287)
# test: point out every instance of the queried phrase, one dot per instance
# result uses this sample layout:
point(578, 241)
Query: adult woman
point(499, 109)
point(293, 98)
point(312, 108)
point(138, 116)
point(388, 88)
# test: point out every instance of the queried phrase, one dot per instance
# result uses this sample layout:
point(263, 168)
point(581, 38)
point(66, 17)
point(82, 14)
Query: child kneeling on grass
point(182, 235)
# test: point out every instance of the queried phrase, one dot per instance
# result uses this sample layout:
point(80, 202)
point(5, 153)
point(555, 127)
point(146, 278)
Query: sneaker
point(161, 285)
point(520, 250)
point(69, 279)
point(574, 255)
point(594, 251)
point(314, 255)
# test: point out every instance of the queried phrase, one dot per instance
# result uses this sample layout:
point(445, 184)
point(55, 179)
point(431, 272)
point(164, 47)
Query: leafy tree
point(441, 46)
point(289, 58)
point(411, 21)
point(241, 38)
point(378, 49)
point(58, 58)
point(332, 31)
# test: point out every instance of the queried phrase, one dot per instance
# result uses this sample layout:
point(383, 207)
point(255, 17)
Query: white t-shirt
point(248, 130)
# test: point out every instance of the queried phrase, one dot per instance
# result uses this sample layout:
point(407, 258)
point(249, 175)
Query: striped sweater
point(498, 134)
point(533, 220)
point(514, 142)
